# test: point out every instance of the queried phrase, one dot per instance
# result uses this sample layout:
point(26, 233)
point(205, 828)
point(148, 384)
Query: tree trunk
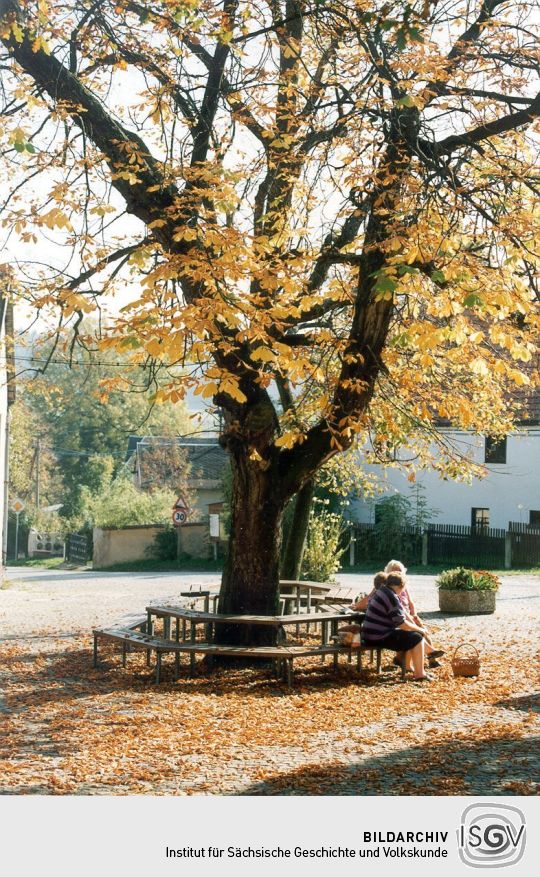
point(296, 541)
point(250, 583)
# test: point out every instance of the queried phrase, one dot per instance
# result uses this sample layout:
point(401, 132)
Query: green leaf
point(385, 284)
point(406, 269)
point(30, 147)
point(438, 276)
point(19, 147)
point(388, 24)
point(415, 35)
point(401, 39)
point(472, 300)
point(406, 101)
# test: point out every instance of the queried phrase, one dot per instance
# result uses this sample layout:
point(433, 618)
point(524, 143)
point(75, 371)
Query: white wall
point(509, 491)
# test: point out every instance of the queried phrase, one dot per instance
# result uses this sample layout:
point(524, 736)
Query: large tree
point(335, 199)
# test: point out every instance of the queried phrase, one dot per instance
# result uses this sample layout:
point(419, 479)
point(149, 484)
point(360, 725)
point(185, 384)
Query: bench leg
point(350, 656)
point(177, 630)
point(148, 657)
point(149, 624)
point(124, 653)
point(379, 660)
point(336, 656)
point(192, 655)
point(359, 660)
point(177, 664)
point(158, 668)
point(371, 656)
point(95, 662)
point(289, 670)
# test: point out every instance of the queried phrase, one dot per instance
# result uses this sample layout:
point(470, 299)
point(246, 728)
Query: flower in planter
point(462, 579)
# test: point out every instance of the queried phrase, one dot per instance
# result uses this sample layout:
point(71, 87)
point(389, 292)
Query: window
point(479, 519)
point(495, 450)
point(534, 519)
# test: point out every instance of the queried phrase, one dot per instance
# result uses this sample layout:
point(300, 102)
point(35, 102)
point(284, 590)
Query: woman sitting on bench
point(386, 626)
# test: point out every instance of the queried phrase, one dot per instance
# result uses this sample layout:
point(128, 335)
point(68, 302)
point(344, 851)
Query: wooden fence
point(78, 548)
point(525, 544)
point(369, 543)
point(457, 545)
point(443, 544)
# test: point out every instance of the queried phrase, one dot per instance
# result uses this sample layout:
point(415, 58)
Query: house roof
point(528, 404)
point(205, 455)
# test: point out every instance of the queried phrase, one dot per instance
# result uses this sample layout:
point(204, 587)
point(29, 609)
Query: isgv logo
point(491, 835)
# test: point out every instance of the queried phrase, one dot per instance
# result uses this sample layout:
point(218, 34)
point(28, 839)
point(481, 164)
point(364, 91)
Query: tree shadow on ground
point(527, 703)
point(503, 765)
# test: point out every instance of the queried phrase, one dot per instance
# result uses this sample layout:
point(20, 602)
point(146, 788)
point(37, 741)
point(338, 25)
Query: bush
point(121, 504)
point(462, 579)
point(165, 544)
point(322, 557)
point(398, 527)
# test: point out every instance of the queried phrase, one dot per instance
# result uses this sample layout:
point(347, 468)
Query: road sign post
point(180, 514)
point(17, 506)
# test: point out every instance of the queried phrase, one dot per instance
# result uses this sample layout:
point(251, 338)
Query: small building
point(207, 462)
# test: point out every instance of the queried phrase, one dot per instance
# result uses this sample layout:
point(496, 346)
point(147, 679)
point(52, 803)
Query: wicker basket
point(466, 666)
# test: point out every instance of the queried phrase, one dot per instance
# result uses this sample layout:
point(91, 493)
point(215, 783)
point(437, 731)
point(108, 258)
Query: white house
point(510, 490)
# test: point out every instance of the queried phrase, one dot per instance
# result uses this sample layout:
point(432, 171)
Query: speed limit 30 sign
point(179, 516)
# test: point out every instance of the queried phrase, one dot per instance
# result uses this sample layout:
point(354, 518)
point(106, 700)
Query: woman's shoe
point(425, 678)
point(432, 663)
point(438, 653)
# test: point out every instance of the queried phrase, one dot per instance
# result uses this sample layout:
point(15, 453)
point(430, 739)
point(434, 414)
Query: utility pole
point(7, 398)
point(38, 454)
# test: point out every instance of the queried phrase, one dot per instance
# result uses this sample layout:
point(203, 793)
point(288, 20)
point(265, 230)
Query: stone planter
point(467, 602)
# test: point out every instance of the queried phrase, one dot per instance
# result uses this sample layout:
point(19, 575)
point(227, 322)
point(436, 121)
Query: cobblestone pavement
point(74, 730)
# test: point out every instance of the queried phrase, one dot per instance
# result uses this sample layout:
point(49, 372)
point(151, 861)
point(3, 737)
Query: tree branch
point(123, 253)
point(143, 189)
point(491, 129)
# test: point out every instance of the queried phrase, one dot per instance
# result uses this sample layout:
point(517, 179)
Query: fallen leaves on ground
point(70, 729)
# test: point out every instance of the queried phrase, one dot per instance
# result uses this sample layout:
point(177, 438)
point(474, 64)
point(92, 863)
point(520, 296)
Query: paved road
point(68, 601)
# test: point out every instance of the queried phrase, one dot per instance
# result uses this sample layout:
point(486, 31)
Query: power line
point(88, 364)
point(163, 440)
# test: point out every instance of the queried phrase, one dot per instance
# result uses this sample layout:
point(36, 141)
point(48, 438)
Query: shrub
point(322, 557)
point(165, 544)
point(462, 579)
point(121, 504)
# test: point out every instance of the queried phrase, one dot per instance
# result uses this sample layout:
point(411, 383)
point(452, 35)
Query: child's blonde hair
point(395, 566)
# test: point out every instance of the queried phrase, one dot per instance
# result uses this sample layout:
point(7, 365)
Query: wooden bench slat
point(283, 655)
